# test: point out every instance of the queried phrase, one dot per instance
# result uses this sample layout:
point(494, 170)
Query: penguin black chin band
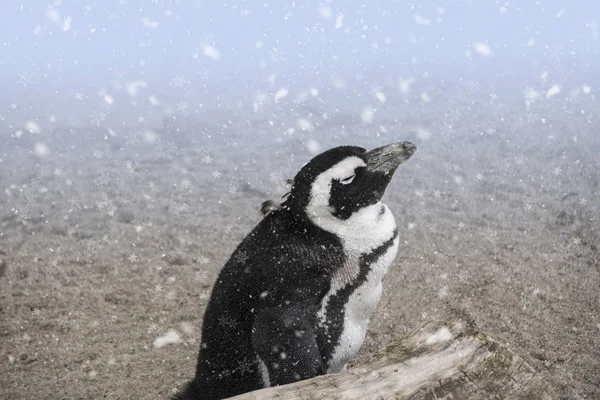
point(295, 298)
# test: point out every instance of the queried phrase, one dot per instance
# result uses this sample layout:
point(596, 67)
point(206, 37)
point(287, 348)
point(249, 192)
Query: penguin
point(295, 298)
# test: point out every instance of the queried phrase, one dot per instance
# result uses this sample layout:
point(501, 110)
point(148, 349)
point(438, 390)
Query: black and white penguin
point(295, 298)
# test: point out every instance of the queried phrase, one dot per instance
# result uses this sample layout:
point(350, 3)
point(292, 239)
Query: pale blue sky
point(56, 49)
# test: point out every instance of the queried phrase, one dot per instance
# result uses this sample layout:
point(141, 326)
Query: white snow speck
point(133, 86)
point(314, 92)
point(53, 15)
point(67, 23)
point(339, 21)
point(339, 83)
point(443, 292)
point(423, 134)
point(304, 125)
point(425, 97)
point(421, 20)
point(554, 90)
point(404, 85)
point(148, 23)
point(313, 148)
point(325, 12)
point(442, 335)
point(154, 100)
point(586, 89)
point(171, 337)
point(381, 97)
point(530, 42)
point(33, 127)
point(41, 150)
point(150, 136)
point(109, 99)
point(367, 115)
point(211, 52)
point(280, 94)
point(483, 49)
point(187, 328)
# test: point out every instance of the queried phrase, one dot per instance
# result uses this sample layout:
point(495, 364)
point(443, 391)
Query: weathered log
point(440, 360)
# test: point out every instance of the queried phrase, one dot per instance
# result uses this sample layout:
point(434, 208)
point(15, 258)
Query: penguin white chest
point(358, 310)
point(363, 300)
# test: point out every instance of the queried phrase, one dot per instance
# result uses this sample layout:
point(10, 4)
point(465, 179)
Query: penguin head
point(344, 180)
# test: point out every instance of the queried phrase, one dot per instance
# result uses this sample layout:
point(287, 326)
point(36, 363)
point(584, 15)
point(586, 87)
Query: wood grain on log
point(439, 361)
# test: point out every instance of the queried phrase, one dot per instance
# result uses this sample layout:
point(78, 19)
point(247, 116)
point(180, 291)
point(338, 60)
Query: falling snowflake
point(557, 171)
point(530, 94)
point(244, 367)
point(97, 117)
point(182, 106)
point(179, 81)
point(203, 260)
point(277, 56)
point(226, 321)
point(489, 235)
point(132, 138)
point(102, 179)
point(25, 79)
point(555, 52)
point(241, 257)
point(532, 118)
point(204, 74)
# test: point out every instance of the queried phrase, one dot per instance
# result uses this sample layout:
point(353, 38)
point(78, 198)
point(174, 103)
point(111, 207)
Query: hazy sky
point(50, 51)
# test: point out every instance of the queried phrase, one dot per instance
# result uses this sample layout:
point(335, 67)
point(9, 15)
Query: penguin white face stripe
point(318, 208)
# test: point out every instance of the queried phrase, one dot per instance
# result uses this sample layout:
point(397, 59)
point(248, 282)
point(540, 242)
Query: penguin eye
point(347, 180)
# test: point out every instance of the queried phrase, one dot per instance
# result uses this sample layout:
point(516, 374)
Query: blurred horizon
point(125, 61)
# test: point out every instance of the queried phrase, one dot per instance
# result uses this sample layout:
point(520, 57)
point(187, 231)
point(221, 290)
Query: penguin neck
point(301, 223)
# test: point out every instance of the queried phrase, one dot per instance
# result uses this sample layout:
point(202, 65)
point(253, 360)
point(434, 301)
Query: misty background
point(125, 59)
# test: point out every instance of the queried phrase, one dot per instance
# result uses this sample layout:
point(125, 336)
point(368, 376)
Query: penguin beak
point(387, 158)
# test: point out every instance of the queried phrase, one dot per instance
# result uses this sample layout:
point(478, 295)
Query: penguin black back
point(265, 322)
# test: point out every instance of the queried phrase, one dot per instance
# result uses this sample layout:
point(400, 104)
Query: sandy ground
point(109, 242)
